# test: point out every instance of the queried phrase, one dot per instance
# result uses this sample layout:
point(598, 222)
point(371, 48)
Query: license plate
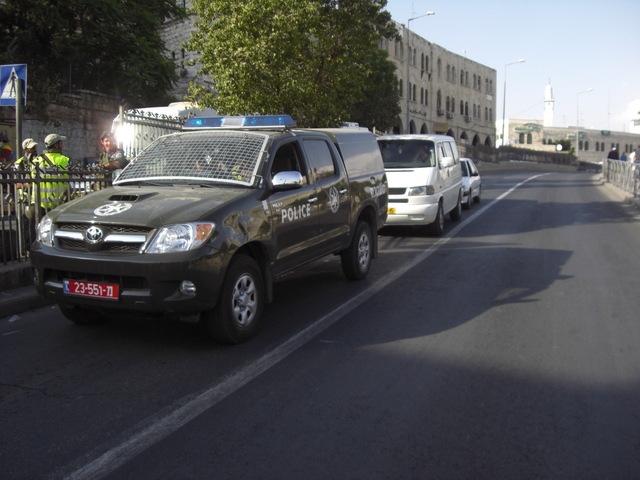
point(391, 211)
point(91, 289)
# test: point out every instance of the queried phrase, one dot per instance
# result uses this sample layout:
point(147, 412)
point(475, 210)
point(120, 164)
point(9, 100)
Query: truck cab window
point(320, 159)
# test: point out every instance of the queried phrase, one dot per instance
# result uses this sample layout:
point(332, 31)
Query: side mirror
point(287, 180)
point(446, 162)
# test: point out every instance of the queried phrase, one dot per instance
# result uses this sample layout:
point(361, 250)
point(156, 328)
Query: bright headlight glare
point(44, 231)
point(181, 237)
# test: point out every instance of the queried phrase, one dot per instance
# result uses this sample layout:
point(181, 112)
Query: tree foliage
point(308, 58)
point(108, 46)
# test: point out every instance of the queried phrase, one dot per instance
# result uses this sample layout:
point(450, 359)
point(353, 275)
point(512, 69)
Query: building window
point(400, 82)
point(453, 75)
point(439, 68)
point(529, 139)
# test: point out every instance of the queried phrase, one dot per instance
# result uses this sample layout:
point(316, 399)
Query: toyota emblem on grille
point(94, 234)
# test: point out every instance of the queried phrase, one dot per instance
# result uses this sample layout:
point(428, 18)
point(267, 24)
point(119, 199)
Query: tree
point(380, 106)
point(307, 58)
point(108, 46)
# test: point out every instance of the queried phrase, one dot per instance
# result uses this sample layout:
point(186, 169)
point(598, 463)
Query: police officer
point(112, 158)
point(49, 164)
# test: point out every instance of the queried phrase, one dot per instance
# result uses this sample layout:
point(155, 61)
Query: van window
point(407, 153)
point(445, 152)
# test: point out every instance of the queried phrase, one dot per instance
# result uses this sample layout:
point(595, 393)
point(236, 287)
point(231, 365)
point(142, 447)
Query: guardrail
point(624, 175)
point(20, 192)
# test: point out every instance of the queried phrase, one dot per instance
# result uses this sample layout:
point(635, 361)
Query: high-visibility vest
point(52, 194)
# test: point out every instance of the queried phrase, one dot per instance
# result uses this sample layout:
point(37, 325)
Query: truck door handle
point(312, 199)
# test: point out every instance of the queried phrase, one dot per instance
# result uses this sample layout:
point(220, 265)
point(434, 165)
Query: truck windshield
point(198, 157)
point(407, 153)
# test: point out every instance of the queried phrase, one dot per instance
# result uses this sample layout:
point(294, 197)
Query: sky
point(571, 45)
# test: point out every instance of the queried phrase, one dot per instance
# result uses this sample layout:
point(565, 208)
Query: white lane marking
point(155, 428)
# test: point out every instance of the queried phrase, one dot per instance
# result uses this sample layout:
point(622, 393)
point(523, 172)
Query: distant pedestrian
point(613, 154)
point(623, 157)
point(112, 158)
point(6, 153)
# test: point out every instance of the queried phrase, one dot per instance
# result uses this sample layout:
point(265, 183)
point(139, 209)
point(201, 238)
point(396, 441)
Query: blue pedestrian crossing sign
point(8, 85)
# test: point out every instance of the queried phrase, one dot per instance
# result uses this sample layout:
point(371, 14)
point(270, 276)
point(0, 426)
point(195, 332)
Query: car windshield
point(407, 153)
point(198, 157)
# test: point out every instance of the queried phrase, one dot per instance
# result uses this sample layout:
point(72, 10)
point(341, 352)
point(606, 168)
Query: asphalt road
point(509, 348)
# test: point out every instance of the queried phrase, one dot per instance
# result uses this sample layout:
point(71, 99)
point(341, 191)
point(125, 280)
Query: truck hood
point(408, 177)
point(147, 205)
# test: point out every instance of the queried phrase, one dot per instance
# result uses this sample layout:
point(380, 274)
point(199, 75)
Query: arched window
point(453, 75)
point(461, 107)
point(448, 72)
point(461, 77)
point(400, 83)
point(529, 139)
point(466, 108)
point(439, 68)
point(521, 138)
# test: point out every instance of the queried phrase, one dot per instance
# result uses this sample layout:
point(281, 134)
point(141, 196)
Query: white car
point(471, 182)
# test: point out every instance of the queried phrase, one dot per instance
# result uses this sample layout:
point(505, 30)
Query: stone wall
point(81, 117)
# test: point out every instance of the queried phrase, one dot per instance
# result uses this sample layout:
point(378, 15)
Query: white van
point(425, 179)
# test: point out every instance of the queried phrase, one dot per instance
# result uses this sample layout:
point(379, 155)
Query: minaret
point(548, 105)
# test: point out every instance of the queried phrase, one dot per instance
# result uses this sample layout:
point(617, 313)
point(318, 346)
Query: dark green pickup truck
point(200, 224)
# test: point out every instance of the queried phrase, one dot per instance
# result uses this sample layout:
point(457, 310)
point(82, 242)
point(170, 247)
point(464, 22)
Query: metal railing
point(624, 175)
point(22, 204)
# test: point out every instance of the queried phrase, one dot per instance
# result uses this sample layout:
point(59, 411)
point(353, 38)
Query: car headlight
point(44, 233)
point(181, 237)
point(424, 190)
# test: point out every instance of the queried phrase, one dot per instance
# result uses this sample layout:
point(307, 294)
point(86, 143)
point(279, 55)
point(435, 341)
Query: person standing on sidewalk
point(112, 158)
point(49, 163)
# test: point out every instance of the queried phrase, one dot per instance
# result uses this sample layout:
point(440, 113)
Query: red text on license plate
point(91, 289)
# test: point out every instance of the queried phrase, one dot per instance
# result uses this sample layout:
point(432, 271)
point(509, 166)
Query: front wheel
point(437, 227)
point(356, 259)
point(239, 310)
point(456, 213)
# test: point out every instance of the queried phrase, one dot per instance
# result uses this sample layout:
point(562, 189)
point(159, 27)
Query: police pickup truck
point(200, 224)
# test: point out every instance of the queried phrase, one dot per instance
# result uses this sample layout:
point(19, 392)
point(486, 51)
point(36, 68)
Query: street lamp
point(408, 94)
point(504, 95)
point(578, 120)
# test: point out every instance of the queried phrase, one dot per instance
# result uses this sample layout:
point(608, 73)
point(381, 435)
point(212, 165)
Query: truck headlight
point(44, 231)
point(181, 237)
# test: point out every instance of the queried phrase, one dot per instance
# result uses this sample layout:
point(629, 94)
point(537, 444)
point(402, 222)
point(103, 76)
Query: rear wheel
point(237, 314)
point(80, 315)
point(356, 259)
point(437, 227)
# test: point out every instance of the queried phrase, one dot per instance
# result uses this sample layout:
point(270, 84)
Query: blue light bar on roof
point(240, 121)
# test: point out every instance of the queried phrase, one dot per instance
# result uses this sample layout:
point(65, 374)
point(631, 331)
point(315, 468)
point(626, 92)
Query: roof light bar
point(239, 121)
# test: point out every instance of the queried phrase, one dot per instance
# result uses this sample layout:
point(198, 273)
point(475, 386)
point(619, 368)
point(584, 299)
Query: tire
point(469, 202)
point(239, 310)
point(476, 199)
point(437, 227)
point(80, 315)
point(456, 213)
point(356, 259)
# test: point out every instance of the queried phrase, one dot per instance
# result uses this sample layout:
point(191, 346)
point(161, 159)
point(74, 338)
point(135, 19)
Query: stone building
point(440, 92)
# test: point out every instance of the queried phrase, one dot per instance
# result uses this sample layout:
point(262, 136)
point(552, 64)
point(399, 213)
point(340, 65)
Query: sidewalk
point(18, 295)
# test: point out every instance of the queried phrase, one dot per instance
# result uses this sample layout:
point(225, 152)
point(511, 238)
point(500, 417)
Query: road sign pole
point(19, 110)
